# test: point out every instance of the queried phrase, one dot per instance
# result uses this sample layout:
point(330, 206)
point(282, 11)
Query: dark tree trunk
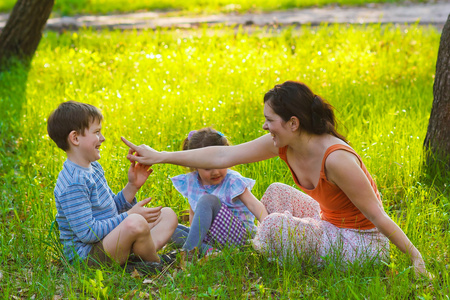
point(437, 140)
point(23, 31)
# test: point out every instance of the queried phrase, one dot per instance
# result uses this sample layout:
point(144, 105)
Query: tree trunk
point(437, 140)
point(23, 31)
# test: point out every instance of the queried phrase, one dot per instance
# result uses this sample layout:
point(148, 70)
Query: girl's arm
point(191, 215)
point(214, 157)
point(343, 169)
point(254, 205)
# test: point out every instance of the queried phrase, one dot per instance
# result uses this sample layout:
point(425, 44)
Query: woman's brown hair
point(293, 98)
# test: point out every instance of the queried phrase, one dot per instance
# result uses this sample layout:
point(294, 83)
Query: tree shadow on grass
point(13, 83)
point(437, 173)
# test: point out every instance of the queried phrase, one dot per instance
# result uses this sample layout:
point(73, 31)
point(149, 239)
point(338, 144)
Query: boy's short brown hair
point(70, 116)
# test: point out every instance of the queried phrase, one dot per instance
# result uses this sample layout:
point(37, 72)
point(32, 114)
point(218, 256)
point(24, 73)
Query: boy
point(95, 224)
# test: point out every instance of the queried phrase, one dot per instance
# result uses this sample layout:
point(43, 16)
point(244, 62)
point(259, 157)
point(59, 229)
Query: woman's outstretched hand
point(142, 154)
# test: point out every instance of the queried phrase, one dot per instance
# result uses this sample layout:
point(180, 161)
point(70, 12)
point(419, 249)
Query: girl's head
point(206, 137)
point(295, 99)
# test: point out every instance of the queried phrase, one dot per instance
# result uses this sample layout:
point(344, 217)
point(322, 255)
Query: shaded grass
point(155, 86)
point(74, 7)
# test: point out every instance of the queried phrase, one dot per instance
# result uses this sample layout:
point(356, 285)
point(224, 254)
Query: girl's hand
point(142, 154)
point(138, 174)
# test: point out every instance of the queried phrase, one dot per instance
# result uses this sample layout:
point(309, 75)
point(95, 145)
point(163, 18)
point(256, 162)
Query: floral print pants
point(294, 229)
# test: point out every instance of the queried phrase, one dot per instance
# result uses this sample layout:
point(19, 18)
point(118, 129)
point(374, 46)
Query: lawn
point(74, 7)
point(155, 86)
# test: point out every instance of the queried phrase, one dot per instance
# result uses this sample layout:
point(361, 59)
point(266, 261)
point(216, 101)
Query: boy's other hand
point(138, 174)
point(142, 154)
point(151, 214)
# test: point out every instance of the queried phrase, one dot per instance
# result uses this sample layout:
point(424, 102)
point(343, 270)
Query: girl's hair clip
point(190, 134)
point(220, 133)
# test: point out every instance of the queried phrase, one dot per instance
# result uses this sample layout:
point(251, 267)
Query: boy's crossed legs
point(135, 235)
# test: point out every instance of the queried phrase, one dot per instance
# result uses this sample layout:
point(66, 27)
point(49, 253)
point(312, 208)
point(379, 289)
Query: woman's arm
point(343, 169)
point(254, 205)
point(214, 157)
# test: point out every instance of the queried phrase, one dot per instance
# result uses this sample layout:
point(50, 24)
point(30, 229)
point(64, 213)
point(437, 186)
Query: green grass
point(155, 86)
point(74, 7)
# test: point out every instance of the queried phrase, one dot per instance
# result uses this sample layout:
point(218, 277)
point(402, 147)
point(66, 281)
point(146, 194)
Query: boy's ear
point(73, 138)
point(294, 123)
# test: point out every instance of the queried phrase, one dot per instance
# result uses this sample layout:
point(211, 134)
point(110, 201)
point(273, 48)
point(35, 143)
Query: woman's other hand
point(420, 269)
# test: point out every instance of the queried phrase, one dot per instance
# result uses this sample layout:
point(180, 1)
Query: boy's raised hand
point(142, 154)
point(138, 174)
point(151, 214)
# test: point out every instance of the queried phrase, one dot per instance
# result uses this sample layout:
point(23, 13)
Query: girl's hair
point(204, 137)
point(293, 98)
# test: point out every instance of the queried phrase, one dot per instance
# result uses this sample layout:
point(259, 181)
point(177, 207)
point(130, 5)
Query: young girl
point(222, 208)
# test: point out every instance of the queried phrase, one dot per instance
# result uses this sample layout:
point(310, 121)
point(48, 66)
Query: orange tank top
point(335, 206)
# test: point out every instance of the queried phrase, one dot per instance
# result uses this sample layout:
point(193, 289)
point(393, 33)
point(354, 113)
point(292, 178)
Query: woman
point(345, 219)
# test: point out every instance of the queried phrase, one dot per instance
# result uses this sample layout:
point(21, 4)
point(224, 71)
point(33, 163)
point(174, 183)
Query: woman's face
point(276, 126)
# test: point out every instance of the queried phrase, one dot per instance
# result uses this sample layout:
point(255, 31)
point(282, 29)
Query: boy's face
point(90, 142)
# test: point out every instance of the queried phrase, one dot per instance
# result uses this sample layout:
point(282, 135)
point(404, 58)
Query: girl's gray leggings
point(208, 207)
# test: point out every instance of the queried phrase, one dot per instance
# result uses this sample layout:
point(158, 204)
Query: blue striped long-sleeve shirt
point(87, 209)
